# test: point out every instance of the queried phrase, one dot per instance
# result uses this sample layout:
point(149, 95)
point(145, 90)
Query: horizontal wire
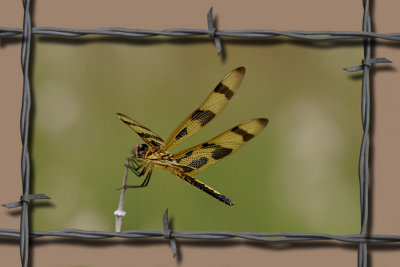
point(122, 32)
point(266, 237)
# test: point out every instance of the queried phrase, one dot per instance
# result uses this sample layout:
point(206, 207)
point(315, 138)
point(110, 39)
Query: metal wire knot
point(25, 198)
point(366, 63)
point(167, 234)
point(211, 32)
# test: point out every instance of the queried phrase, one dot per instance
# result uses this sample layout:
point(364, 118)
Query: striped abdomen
point(209, 190)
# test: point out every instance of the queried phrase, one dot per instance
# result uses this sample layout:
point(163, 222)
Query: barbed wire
point(362, 239)
point(25, 113)
point(363, 171)
point(122, 32)
point(264, 237)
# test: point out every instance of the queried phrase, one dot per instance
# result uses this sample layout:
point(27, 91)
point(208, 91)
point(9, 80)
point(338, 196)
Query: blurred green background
point(298, 175)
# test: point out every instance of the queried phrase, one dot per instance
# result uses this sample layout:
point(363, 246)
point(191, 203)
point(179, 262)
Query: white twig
point(120, 213)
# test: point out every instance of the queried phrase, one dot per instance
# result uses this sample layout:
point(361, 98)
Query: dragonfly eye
point(140, 150)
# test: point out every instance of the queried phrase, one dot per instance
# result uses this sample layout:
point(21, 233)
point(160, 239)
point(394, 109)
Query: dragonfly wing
point(202, 156)
point(213, 105)
point(151, 138)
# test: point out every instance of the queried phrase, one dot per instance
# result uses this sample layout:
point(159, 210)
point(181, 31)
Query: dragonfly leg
point(134, 164)
point(143, 171)
point(135, 167)
point(146, 180)
point(137, 171)
point(134, 170)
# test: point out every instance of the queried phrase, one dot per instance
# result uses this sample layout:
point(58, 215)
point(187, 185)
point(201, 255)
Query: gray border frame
point(362, 239)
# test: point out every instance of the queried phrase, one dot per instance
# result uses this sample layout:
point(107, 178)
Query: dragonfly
point(155, 152)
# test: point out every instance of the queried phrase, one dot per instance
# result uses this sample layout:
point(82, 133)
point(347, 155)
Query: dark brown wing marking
point(222, 89)
point(202, 156)
point(213, 105)
point(151, 138)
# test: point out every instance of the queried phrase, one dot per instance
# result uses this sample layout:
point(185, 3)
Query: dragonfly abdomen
point(205, 188)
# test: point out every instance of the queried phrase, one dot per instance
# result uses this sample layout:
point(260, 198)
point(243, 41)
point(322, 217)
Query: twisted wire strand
point(363, 166)
point(122, 32)
point(265, 237)
point(25, 112)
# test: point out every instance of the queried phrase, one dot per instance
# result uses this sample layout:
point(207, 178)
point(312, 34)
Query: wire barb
point(25, 198)
point(168, 233)
point(212, 31)
point(367, 63)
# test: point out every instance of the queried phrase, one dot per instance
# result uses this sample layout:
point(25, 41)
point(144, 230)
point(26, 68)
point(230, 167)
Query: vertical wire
point(25, 112)
point(363, 168)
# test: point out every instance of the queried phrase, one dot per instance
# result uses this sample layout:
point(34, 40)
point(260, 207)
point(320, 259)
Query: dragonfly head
point(140, 150)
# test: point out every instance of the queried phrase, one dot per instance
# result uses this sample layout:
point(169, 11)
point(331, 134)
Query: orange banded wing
point(202, 156)
point(214, 104)
point(151, 138)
